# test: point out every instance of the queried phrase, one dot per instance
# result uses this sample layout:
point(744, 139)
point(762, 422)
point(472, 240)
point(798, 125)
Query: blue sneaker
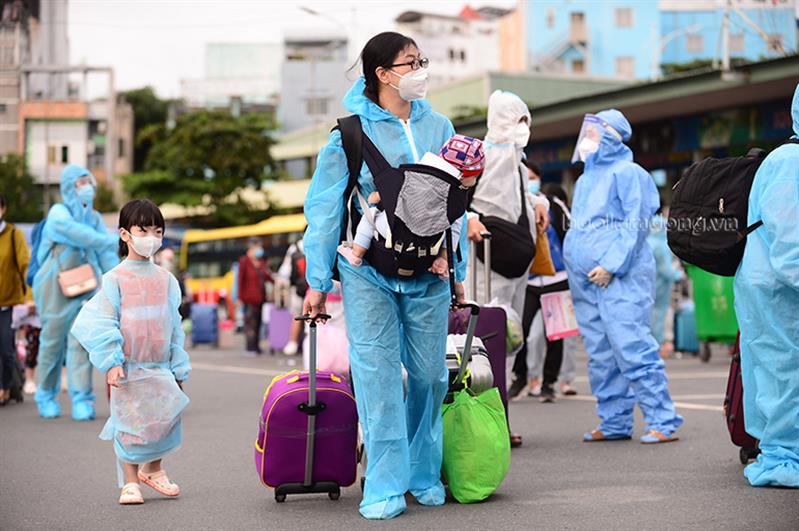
point(49, 409)
point(83, 410)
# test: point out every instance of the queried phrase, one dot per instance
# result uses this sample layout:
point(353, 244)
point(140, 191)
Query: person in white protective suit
point(498, 193)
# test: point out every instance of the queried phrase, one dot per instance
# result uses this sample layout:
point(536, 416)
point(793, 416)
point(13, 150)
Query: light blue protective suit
point(767, 306)
point(391, 322)
point(666, 275)
point(613, 202)
point(77, 235)
point(133, 322)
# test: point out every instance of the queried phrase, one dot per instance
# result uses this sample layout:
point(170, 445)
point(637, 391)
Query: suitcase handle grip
point(313, 320)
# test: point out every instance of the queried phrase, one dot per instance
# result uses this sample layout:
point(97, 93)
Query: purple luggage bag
point(280, 321)
point(492, 325)
point(308, 432)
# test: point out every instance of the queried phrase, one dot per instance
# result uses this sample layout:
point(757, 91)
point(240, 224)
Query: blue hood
point(795, 111)
point(611, 149)
point(358, 103)
point(69, 194)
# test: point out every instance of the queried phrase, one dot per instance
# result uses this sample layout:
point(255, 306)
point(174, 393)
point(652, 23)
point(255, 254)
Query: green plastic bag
point(476, 444)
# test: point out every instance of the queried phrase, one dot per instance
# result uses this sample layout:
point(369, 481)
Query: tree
point(206, 159)
point(23, 198)
point(697, 64)
point(104, 199)
point(148, 109)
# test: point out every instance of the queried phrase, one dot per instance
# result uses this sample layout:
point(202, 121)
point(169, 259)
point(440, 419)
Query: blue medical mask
point(259, 252)
point(534, 186)
point(86, 194)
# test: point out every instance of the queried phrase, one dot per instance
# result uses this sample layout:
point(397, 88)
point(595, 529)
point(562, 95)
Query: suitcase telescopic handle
point(486, 266)
point(311, 408)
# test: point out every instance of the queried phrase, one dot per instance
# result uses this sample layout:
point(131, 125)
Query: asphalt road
point(58, 475)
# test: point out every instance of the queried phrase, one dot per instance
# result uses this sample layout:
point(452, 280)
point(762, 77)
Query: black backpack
point(410, 253)
point(297, 275)
point(708, 216)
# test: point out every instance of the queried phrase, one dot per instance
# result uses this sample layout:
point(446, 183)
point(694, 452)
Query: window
point(121, 148)
point(578, 66)
point(51, 154)
point(64, 154)
point(625, 66)
point(694, 43)
point(550, 18)
point(463, 55)
point(624, 17)
point(451, 54)
point(316, 106)
point(579, 32)
point(3, 108)
point(736, 42)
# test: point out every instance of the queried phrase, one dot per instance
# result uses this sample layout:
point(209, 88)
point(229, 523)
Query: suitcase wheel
point(280, 498)
point(747, 454)
point(334, 495)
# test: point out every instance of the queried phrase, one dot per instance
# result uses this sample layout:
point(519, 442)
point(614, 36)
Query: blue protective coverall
point(666, 275)
point(73, 234)
point(614, 200)
point(133, 322)
point(391, 322)
point(767, 306)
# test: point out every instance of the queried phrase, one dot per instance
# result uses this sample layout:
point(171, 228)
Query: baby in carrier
point(461, 157)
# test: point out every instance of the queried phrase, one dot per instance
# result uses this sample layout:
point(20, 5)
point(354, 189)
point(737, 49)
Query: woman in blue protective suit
point(391, 322)
point(73, 235)
point(767, 306)
point(611, 276)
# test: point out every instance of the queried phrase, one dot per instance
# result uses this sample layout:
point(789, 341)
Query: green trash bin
point(715, 311)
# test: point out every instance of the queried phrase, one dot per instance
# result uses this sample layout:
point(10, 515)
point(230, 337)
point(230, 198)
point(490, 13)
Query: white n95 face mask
point(413, 85)
point(521, 135)
point(146, 246)
point(586, 147)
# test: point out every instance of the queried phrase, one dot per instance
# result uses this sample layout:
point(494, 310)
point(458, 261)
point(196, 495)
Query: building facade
point(470, 43)
point(631, 40)
point(247, 72)
point(315, 77)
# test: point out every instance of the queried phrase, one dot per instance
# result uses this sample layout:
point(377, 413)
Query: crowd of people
point(123, 317)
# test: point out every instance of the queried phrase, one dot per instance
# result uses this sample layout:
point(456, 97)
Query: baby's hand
point(374, 198)
point(113, 375)
point(440, 267)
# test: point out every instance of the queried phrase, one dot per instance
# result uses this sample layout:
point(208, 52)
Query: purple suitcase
point(492, 324)
point(316, 408)
point(280, 321)
point(491, 328)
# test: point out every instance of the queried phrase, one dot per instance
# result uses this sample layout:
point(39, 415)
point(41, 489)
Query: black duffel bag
point(512, 243)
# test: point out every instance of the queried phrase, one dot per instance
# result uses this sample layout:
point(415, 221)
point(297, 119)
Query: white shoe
point(291, 348)
point(29, 388)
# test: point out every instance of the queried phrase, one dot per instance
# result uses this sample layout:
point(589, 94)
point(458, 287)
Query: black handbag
point(512, 243)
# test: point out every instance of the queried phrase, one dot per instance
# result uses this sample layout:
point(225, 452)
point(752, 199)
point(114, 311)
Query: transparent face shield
point(591, 133)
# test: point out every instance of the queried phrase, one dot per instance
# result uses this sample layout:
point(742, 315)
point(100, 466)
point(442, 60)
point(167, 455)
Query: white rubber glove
point(600, 276)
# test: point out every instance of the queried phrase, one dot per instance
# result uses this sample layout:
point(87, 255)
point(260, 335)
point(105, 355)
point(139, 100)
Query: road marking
point(680, 376)
point(679, 405)
point(235, 369)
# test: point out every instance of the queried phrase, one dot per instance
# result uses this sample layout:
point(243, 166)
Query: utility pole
point(725, 39)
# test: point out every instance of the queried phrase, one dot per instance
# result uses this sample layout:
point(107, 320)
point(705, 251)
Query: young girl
point(131, 329)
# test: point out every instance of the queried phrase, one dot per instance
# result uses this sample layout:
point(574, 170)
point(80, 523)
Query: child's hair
point(141, 213)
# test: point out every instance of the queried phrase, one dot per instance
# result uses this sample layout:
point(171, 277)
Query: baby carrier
point(420, 203)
